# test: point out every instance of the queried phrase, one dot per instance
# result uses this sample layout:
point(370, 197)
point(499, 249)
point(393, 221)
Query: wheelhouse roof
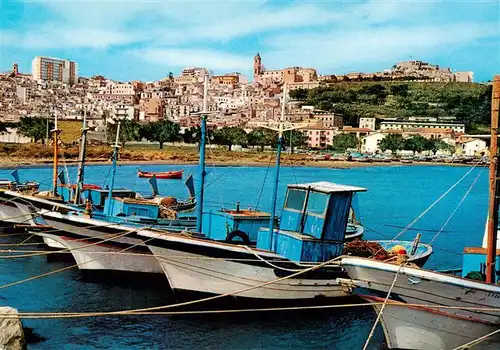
point(327, 187)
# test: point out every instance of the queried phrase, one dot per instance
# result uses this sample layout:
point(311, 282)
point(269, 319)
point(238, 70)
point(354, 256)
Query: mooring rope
point(66, 267)
point(382, 309)
point(477, 341)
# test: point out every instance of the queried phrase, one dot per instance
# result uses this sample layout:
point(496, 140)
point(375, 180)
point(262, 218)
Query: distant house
point(370, 143)
point(472, 147)
point(12, 136)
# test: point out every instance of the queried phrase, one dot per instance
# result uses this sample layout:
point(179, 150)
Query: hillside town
point(54, 88)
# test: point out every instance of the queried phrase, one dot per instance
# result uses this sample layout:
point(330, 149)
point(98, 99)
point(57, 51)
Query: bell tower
point(257, 67)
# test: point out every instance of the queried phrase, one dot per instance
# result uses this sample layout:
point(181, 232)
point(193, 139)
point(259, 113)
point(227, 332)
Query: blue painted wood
point(217, 224)
point(472, 262)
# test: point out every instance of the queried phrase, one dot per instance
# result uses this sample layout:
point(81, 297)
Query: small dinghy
point(162, 174)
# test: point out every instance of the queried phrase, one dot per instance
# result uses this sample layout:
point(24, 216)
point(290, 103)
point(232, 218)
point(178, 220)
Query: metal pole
point(201, 184)
point(277, 174)
point(116, 147)
point(56, 157)
point(494, 188)
point(81, 166)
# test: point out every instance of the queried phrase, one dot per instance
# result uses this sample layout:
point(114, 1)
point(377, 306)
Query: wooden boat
point(425, 309)
point(162, 174)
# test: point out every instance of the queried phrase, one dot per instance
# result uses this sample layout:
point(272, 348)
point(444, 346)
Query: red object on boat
point(91, 187)
point(162, 175)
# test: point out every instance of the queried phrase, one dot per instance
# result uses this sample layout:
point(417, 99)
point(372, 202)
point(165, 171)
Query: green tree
point(230, 136)
point(400, 90)
point(192, 135)
point(342, 142)
point(34, 127)
point(435, 145)
point(416, 143)
point(297, 137)
point(298, 94)
point(130, 130)
point(262, 137)
point(3, 127)
point(392, 142)
point(161, 131)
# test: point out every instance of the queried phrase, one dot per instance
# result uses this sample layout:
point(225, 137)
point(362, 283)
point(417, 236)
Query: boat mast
point(278, 160)
point(491, 247)
point(116, 147)
point(202, 172)
point(81, 166)
point(55, 132)
point(281, 126)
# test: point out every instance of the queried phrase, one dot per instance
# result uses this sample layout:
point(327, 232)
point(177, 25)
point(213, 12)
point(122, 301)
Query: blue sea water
point(396, 195)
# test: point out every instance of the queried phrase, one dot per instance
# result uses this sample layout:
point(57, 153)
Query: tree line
point(466, 102)
point(163, 131)
point(416, 143)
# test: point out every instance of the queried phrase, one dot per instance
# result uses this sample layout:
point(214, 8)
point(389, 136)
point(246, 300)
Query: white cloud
point(331, 50)
point(61, 37)
point(178, 57)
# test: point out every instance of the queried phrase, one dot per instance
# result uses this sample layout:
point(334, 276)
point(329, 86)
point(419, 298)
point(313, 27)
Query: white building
point(120, 89)
point(54, 70)
point(122, 111)
point(11, 136)
point(371, 143)
point(473, 147)
point(409, 124)
point(367, 123)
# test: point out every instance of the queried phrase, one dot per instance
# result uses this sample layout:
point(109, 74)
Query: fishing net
point(367, 249)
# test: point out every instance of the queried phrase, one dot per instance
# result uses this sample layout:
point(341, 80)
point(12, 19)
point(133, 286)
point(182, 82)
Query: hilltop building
point(304, 77)
point(54, 70)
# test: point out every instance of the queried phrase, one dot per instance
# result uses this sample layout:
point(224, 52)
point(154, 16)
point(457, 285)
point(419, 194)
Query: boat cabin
point(236, 225)
point(98, 196)
point(313, 222)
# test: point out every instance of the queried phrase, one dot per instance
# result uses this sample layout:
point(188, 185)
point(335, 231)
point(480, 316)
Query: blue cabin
point(474, 261)
point(313, 222)
point(98, 196)
point(239, 225)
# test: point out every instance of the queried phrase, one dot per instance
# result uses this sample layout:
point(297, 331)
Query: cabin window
point(295, 200)
point(317, 202)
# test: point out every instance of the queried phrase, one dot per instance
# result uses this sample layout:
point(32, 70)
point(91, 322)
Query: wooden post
point(56, 157)
point(494, 188)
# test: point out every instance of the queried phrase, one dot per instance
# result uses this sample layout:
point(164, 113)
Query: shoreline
point(333, 164)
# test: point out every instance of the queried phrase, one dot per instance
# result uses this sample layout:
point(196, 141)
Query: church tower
point(257, 67)
point(15, 69)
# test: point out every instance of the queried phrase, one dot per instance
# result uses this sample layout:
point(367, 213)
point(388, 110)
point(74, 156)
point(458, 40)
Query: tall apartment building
point(54, 70)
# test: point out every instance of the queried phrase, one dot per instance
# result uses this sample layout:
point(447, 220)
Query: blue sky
point(128, 40)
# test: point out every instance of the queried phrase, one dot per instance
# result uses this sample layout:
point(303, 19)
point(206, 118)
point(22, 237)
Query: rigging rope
point(457, 207)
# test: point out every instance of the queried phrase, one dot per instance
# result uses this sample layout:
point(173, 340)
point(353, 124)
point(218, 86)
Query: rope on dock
point(477, 341)
point(382, 308)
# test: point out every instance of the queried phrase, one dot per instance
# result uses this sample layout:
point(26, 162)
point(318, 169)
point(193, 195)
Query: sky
point(145, 40)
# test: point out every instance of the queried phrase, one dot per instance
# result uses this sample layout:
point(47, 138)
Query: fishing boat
point(424, 309)
point(291, 260)
point(161, 174)
point(96, 245)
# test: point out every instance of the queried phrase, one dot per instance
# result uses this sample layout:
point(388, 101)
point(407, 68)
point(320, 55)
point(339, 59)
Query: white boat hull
point(196, 273)
point(103, 257)
point(409, 328)
point(430, 323)
point(15, 213)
